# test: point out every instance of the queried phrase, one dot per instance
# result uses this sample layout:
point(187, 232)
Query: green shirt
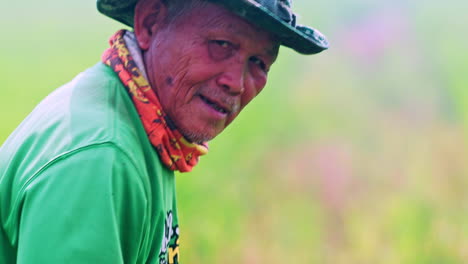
point(81, 183)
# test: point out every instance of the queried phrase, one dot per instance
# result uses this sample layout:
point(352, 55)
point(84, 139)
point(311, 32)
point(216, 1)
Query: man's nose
point(233, 78)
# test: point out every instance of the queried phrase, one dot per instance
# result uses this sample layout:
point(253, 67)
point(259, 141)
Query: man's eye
point(259, 63)
point(220, 49)
point(222, 43)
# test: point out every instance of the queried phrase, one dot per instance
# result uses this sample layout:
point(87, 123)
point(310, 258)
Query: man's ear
point(149, 18)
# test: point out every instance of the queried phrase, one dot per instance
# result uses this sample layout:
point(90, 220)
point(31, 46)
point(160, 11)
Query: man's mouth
point(216, 106)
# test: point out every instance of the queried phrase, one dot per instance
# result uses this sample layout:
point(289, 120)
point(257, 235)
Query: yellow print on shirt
point(169, 253)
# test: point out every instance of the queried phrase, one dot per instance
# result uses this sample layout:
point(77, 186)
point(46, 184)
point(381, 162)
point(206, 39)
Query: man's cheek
point(178, 81)
point(260, 83)
point(248, 96)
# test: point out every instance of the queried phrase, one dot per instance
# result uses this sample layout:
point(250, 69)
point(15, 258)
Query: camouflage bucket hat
point(274, 16)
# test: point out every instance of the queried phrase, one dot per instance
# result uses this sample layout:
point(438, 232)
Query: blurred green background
point(357, 155)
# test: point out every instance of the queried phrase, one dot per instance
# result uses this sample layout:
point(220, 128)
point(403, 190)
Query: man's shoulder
point(94, 108)
point(99, 105)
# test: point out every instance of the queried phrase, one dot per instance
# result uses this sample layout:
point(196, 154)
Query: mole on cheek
point(169, 80)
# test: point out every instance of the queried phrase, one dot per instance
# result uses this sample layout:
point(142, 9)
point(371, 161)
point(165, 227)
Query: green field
point(355, 156)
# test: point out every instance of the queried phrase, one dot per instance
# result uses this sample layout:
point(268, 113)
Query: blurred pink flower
point(370, 37)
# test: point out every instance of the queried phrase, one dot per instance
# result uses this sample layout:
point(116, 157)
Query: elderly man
point(88, 177)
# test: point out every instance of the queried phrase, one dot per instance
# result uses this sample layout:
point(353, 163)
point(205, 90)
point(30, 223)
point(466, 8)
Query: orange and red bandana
point(176, 152)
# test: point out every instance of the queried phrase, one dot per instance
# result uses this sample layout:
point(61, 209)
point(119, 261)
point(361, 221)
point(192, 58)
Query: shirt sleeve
point(86, 207)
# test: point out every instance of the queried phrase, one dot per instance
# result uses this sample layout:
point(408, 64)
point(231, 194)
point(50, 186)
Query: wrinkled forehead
point(212, 17)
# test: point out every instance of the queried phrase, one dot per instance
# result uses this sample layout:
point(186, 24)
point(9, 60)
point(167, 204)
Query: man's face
point(206, 67)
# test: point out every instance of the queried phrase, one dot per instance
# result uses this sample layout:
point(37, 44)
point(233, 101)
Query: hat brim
point(122, 11)
point(300, 38)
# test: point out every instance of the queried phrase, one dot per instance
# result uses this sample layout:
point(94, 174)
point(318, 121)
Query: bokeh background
point(355, 156)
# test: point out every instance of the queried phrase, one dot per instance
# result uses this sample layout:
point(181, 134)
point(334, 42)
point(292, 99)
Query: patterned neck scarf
point(176, 152)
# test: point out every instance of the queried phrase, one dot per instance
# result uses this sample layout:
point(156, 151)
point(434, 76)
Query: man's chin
point(198, 137)
point(199, 130)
